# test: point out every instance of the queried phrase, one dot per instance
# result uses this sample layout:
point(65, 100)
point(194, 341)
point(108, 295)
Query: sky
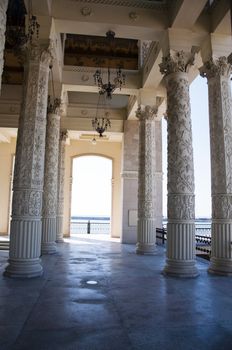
point(201, 149)
point(91, 193)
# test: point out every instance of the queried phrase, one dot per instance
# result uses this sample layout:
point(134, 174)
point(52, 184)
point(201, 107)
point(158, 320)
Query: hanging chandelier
point(100, 125)
point(108, 87)
point(119, 80)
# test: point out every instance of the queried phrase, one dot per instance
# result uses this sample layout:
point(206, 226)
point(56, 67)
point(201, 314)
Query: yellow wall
point(7, 151)
point(111, 150)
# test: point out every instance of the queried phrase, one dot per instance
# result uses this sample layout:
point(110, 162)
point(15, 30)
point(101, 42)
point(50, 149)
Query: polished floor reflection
point(130, 305)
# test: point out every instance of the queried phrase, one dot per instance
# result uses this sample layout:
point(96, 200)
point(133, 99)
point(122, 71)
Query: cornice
point(145, 4)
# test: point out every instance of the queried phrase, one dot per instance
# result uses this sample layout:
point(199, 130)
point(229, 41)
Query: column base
point(26, 268)
point(48, 248)
point(183, 269)
point(60, 240)
point(145, 249)
point(221, 267)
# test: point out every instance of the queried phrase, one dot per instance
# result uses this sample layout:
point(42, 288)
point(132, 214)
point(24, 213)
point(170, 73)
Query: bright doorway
point(91, 196)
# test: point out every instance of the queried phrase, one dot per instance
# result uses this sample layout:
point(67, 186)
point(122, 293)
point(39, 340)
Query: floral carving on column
point(218, 72)
point(3, 9)
point(60, 190)
point(146, 236)
point(50, 178)
point(25, 233)
point(181, 200)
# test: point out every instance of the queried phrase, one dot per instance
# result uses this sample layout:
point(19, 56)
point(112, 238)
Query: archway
point(91, 200)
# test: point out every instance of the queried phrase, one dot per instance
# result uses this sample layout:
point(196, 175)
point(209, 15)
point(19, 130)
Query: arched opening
point(91, 200)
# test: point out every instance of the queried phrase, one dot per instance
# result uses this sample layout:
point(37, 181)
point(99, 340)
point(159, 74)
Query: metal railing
point(88, 227)
point(202, 237)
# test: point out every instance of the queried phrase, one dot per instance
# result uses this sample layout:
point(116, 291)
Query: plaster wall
point(110, 150)
point(7, 151)
point(130, 179)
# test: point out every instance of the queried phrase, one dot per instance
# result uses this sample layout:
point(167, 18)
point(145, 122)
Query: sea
point(101, 224)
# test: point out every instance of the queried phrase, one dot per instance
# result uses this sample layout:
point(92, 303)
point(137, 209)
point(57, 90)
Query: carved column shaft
point(3, 9)
point(60, 191)
point(181, 205)
point(50, 184)
point(146, 235)
point(25, 233)
point(218, 73)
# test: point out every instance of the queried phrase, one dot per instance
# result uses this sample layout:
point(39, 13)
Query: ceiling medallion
point(133, 16)
point(84, 112)
point(86, 11)
point(85, 77)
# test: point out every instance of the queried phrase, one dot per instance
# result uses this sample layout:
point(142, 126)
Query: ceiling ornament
point(85, 77)
point(133, 16)
point(86, 11)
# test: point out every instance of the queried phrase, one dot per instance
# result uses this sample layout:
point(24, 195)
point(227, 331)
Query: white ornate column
point(48, 245)
point(3, 9)
point(218, 72)
point(60, 191)
point(146, 228)
point(25, 232)
point(180, 260)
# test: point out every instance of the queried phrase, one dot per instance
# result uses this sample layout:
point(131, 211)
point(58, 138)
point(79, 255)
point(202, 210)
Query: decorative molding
point(146, 4)
point(176, 61)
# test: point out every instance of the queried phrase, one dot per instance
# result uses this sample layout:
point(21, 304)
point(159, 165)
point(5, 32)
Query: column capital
point(176, 61)
point(40, 53)
point(53, 105)
point(216, 67)
point(147, 113)
point(63, 135)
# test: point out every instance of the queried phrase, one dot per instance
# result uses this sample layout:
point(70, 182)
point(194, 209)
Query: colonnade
point(180, 259)
point(38, 200)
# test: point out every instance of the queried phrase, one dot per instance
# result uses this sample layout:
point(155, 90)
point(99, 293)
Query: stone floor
point(132, 306)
